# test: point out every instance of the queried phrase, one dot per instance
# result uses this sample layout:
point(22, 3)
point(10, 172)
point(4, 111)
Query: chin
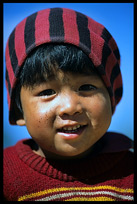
point(74, 153)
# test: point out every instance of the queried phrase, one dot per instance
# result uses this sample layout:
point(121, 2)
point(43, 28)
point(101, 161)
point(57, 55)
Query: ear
point(21, 122)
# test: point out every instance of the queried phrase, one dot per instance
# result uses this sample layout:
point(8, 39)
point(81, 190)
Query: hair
point(45, 60)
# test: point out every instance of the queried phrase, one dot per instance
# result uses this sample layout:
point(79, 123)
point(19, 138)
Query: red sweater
point(104, 176)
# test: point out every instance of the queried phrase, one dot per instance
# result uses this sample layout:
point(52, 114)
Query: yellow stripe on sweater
point(56, 190)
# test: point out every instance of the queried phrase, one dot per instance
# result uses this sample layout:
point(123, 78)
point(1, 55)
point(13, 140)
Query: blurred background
point(118, 18)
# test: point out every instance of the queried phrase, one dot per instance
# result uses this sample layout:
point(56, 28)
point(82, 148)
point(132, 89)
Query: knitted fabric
point(107, 176)
point(61, 25)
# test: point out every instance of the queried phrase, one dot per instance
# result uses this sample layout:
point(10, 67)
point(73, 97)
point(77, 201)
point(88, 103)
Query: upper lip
point(70, 126)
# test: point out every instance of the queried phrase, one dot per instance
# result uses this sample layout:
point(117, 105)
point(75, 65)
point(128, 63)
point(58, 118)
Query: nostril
point(69, 110)
point(68, 116)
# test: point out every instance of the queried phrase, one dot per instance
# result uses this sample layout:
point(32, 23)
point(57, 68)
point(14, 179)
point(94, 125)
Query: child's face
point(67, 114)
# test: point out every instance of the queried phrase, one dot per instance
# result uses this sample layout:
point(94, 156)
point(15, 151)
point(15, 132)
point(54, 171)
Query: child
point(64, 82)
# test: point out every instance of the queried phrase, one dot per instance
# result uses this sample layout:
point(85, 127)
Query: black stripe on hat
point(84, 33)
point(30, 31)
point(117, 54)
point(56, 23)
point(12, 53)
point(101, 70)
point(115, 72)
point(8, 81)
point(105, 53)
point(118, 93)
point(106, 50)
point(106, 35)
point(110, 91)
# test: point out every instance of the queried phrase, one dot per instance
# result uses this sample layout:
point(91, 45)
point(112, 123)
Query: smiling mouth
point(72, 130)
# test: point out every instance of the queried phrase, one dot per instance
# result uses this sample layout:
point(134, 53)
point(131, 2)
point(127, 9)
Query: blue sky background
point(118, 18)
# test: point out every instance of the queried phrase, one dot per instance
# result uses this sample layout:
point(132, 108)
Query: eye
point(87, 87)
point(47, 92)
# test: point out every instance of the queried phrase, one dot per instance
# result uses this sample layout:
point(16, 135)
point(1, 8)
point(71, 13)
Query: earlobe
point(21, 122)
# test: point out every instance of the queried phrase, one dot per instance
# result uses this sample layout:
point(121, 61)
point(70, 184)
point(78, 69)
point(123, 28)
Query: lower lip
point(70, 136)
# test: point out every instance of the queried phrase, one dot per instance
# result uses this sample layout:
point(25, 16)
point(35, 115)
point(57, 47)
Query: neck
point(50, 155)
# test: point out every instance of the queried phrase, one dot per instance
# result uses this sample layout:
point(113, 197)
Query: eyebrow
point(91, 74)
point(53, 77)
point(50, 77)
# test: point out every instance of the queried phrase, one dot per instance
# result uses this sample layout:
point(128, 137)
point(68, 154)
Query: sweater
point(106, 175)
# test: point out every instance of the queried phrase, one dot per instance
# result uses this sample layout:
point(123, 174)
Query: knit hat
point(61, 25)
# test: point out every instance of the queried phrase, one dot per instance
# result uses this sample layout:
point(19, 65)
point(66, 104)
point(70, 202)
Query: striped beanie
point(61, 25)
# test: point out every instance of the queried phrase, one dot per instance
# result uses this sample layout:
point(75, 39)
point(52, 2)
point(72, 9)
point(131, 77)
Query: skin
point(66, 100)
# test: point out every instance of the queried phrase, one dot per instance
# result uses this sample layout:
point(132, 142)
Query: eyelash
point(85, 87)
point(47, 92)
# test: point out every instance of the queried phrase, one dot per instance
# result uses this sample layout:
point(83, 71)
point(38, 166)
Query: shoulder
point(14, 168)
point(10, 152)
point(116, 142)
point(12, 157)
point(119, 149)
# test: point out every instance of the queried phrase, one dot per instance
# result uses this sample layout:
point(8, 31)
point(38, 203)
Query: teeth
point(72, 128)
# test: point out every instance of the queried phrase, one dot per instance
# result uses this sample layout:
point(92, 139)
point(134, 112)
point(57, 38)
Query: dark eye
point(47, 92)
point(87, 87)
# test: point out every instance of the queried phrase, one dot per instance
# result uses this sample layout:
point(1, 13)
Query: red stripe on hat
point(94, 59)
point(112, 44)
point(9, 66)
point(42, 27)
point(20, 43)
point(106, 80)
point(95, 27)
point(97, 42)
point(70, 27)
point(111, 62)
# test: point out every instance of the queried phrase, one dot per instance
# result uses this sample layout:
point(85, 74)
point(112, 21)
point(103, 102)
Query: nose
point(69, 104)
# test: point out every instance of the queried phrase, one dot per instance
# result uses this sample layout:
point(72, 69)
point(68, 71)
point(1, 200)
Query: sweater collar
point(91, 166)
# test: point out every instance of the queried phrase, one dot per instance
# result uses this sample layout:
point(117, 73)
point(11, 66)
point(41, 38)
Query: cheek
point(100, 112)
point(40, 128)
point(38, 119)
